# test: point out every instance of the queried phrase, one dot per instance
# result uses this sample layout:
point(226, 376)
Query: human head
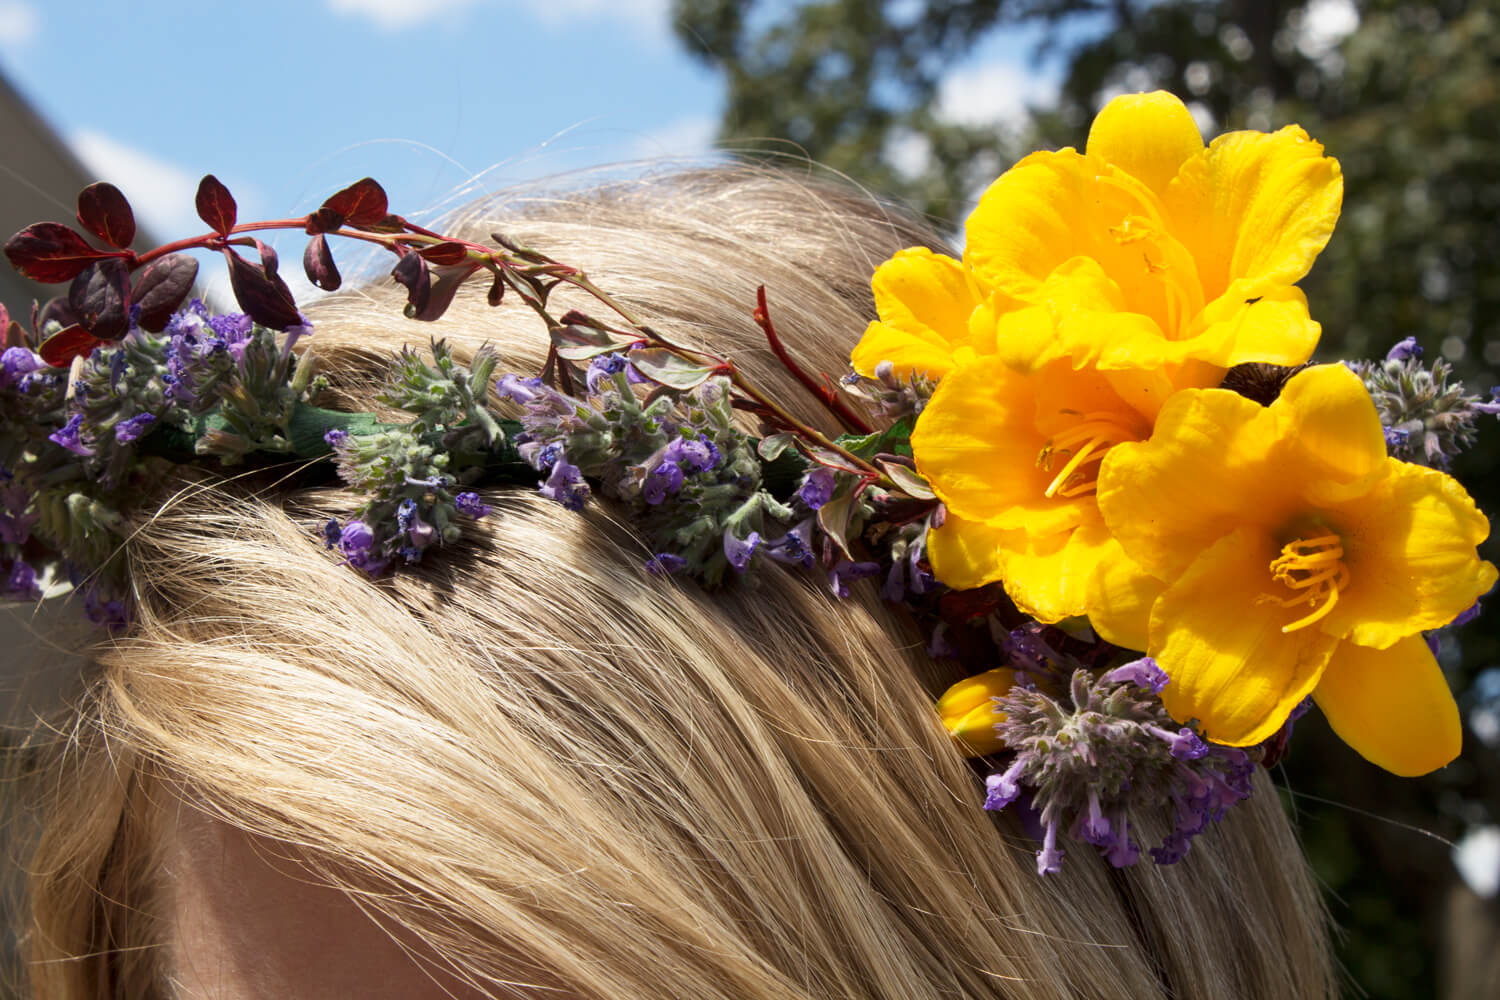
point(532, 762)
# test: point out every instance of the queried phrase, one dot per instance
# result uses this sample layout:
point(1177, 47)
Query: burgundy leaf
point(324, 220)
point(497, 290)
point(362, 203)
point(101, 297)
point(50, 252)
point(268, 260)
point(265, 298)
point(389, 224)
point(449, 280)
point(445, 253)
point(103, 211)
point(54, 310)
point(62, 347)
point(216, 205)
point(411, 271)
point(317, 261)
point(161, 287)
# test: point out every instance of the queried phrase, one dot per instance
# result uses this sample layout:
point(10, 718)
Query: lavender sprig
point(1099, 746)
point(1428, 419)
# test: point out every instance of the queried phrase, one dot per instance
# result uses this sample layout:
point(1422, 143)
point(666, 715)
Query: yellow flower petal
point(969, 713)
point(1336, 444)
point(1047, 576)
point(1409, 546)
point(1231, 666)
point(1273, 328)
point(1202, 472)
point(924, 300)
point(1051, 208)
point(1120, 595)
point(1255, 208)
point(1393, 706)
point(977, 442)
point(1148, 136)
point(964, 554)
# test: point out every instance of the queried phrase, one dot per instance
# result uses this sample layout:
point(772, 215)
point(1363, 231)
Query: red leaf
point(265, 298)
point(446, 253)
point(161, 287)
point(103, 211)
point(101, 297)
point(412, 272)
point(440, 295)
point(62, 347)
point(317, 261)
point(324, 220)
point(362, 203)
point(50, 252)
point(216, 205)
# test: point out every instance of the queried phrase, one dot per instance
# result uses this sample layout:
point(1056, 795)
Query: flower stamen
point(1313, 568)
point(1085, 444)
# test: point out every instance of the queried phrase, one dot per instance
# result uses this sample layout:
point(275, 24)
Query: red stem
point(852, 421)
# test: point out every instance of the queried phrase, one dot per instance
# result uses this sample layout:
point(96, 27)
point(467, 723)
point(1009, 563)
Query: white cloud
point(991, 94)
point(19, 22)
point(161, 193)
point(390, 15)
point(647, 16)
point(685, 137)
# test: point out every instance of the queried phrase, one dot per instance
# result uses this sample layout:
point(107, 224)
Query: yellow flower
point(1202, 245)
point(968, 710)
point(1277, 552)
point(1014, 455)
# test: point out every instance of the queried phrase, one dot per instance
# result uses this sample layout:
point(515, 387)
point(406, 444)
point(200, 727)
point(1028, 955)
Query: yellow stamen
point(1085, 444)
point(1314, 569)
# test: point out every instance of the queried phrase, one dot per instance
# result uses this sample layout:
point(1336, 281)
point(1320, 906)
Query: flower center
point(1080, 449)
point(1313, 568)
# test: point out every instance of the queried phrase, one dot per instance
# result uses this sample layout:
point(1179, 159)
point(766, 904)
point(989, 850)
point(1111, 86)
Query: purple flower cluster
point(201, 351)
point(1088, 757)
point(1428, 419)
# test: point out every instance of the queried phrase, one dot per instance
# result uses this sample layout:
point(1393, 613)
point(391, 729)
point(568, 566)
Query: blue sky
point(440, 100)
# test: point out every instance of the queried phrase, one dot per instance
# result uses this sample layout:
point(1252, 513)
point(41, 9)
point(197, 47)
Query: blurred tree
point(1405, 93)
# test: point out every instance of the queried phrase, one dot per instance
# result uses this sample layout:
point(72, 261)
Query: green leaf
point(894, 440)
point(581, 343)
point(665, 368)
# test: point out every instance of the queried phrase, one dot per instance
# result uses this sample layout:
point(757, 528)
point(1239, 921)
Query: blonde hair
point(548, 766)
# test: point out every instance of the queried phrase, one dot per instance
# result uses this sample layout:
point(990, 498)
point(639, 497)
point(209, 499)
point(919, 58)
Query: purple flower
point(110, 613)
point(1142, 673)
point(845, 572)
point(335, 438)
point(1185, 744)
point(1405, 348)
point(1467, 615)
point(817, 487)
point(740, 550)
point(794, 547)
point(661, 482)
point(419, 534)
point(1396, 438)
point(1004, 788)
point(69, 436)
point(16, 363)
point(22, 580)
point(566, 484)
point(603, 368)
point(357, 543)
point(665, 564)
point(1049, 858)
point(693, 455)
point(332, 532)
point(517, 389)
point(469, 504)
point(131, 429)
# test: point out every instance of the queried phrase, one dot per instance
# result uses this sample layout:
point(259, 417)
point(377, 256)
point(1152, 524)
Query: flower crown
point(1109, 482)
